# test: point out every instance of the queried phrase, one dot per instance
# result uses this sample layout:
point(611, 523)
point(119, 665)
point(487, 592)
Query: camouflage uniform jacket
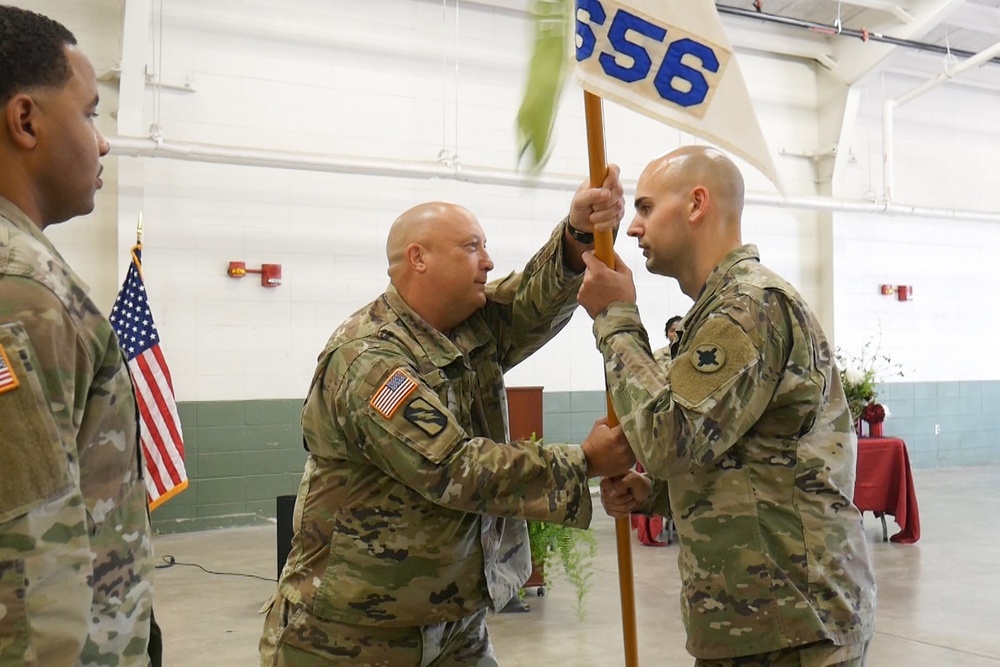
point(397, 518)
point(752, 448)
point(75, 548)
point(662, 356)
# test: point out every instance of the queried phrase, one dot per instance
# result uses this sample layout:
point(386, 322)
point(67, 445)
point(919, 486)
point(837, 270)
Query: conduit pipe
point(864, 35)
point(889, 105)
point(256, 157)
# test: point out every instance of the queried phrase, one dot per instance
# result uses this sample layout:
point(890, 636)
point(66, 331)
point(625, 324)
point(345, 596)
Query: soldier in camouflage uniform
point(663, 355)
point(746, 439)
point(409, 522)
point(75, 560)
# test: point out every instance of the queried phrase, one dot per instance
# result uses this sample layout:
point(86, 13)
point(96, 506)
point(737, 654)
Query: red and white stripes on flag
point(159, 424)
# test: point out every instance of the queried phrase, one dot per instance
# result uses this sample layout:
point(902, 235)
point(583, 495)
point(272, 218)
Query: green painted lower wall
point(241, 455)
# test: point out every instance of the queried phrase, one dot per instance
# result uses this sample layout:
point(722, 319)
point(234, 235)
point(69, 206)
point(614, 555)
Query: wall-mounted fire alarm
point(904, 292)
point(270, 274)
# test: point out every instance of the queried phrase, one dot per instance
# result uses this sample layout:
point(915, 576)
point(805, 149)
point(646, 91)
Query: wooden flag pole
point(604, 249)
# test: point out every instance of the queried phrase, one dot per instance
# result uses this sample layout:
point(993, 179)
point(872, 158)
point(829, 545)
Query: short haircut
point(32, 52)
point(675, 318)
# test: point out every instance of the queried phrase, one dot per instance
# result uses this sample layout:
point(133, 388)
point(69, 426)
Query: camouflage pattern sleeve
point(45, 555)
point(658, 502)
point(410, 434)
point(529, 308)
point(716, 389)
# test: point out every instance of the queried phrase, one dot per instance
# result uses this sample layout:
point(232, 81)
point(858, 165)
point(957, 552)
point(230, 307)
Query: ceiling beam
point(857, 59)
point(778, 40)
point(888, 6)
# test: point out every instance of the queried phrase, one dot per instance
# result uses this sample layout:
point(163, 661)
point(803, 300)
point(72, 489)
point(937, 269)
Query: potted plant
point(571, 549)
point(860, 376)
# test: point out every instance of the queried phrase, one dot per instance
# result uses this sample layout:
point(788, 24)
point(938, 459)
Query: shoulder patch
point(708, 358)
point(425, 416)
point(387, 398)
point(720, 352)
point(8, 380)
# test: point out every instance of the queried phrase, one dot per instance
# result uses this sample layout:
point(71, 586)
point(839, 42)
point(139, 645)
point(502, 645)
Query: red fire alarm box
point(904, 293)
point(270, 275)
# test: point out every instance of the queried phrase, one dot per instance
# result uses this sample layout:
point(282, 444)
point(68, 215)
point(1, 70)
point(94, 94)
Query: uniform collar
point(21, 220)
point(715, 280)
point(438, 348)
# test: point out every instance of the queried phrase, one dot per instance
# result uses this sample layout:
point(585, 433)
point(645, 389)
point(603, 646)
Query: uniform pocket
point(35, 465)
point(14, 638)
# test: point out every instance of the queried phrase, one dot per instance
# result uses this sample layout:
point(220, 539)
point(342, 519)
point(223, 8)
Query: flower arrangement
point(873, 413)
point(860, 376)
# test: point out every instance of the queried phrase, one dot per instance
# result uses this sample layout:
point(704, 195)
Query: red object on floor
point(648, 528)
point(885, 484)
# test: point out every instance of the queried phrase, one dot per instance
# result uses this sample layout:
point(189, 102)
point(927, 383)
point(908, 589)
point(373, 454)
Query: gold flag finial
point(138, 230)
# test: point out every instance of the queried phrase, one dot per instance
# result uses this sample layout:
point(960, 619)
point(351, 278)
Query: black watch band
point(587, 238)
point(583, 237)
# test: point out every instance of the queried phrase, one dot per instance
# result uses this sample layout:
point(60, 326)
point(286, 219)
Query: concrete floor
point(937, 602)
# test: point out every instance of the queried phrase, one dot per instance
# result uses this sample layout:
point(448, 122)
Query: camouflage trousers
point(294, 638)
point(822, 654)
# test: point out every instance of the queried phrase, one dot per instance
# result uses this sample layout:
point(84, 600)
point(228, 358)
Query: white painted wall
point(947, 156)
point(377, 79)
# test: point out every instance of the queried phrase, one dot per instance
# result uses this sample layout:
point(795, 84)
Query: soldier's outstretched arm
point(410, 434)
point(528, 308)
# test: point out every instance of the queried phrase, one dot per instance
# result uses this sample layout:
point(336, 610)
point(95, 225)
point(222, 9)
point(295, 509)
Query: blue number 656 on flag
point(656, 59)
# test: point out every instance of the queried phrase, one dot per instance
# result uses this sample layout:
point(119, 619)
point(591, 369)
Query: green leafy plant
point(571, 548)
point(860, 374)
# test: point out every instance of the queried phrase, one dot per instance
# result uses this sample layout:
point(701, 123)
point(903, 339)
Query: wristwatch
point(586, 238)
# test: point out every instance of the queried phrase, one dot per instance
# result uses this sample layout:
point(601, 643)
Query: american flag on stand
point(159, 425)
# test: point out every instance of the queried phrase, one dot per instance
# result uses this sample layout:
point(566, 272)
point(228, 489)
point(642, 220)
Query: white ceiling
point(963, 25)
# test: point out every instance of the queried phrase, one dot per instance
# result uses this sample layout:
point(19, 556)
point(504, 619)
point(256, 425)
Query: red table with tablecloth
point(885, 485)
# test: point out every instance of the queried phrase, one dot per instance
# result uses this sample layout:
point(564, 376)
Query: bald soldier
point(75, 551)
point(409, 522)
point(746, 439)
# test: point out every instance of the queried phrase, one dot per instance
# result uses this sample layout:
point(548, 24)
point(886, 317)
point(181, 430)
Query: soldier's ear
point(416, 257)
point(698, 203)
point(19, 117)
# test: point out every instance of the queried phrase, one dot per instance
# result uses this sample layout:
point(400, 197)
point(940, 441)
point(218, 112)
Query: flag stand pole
point(138, 230)
point(604, 249)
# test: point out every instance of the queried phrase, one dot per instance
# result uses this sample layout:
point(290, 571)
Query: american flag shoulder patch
point(8, 380)
point(393, 391)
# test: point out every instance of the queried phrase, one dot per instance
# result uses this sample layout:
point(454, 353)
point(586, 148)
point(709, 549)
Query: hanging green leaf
point(546, 76)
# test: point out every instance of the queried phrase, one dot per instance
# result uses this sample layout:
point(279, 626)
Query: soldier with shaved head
point(746, 438)
point(409, 522)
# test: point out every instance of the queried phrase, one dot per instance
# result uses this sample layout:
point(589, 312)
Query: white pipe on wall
point(256, 157)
